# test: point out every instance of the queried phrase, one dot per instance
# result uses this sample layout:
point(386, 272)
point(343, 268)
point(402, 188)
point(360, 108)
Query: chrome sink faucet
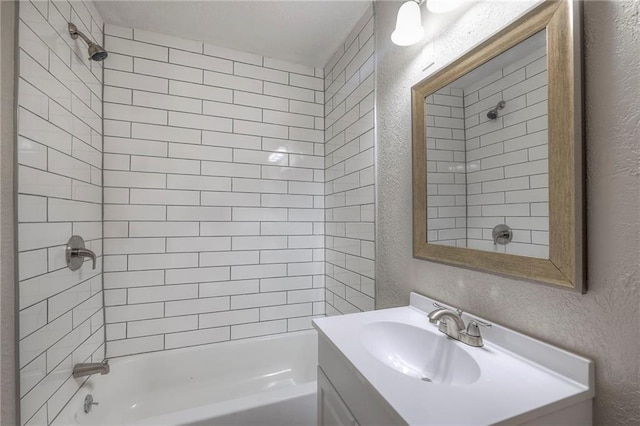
point(451, 323)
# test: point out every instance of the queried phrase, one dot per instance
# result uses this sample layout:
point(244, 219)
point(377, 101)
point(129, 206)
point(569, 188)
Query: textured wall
point(59, 194)
point(213, 193)
point(349, 169)
point(603, 324)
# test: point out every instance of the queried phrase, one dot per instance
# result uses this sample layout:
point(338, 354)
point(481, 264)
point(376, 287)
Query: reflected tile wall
point(446, 164)
point(507, 158)
point(214, 197)
point(59, 194)
point(349, 171)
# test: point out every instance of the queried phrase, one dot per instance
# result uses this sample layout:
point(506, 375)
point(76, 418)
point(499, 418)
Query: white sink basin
point(512, 379)
point(417, 353)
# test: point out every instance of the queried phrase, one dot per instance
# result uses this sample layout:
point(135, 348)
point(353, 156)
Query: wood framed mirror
point(498, 153)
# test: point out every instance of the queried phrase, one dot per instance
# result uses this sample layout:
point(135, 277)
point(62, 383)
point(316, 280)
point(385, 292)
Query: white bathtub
point(260, 381)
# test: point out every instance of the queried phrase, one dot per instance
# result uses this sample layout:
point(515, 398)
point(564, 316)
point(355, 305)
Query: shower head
point(493, 114)
point(96, 52)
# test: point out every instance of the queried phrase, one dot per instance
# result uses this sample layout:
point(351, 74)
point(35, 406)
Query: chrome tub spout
point(86, 369)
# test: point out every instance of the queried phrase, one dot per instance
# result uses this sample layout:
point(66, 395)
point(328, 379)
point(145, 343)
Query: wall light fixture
point(408, 24)
point(409, 28)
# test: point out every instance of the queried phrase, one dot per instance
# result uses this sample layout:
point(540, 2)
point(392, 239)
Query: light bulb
point(408, 25)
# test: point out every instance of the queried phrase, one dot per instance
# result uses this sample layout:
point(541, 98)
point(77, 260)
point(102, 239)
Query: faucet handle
point(472, 336)
point(482, 323)
point(439, 306)
point(83, 252)
point(473, 329)
point(76, 252)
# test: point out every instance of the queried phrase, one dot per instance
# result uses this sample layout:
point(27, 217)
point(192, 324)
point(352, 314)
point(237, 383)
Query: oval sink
point(419, 354)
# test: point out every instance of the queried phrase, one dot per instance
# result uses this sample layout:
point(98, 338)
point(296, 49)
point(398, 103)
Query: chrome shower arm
point(75, 33)
point(96, 52)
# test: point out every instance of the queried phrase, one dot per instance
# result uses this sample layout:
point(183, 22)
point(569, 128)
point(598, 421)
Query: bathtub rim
point(125, 359)
point(225, 408)
point(68, 415)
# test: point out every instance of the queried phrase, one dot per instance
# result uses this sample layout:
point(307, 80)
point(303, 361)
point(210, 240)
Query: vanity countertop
point(520, 377)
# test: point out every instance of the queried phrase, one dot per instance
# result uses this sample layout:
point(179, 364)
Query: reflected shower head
point(493, 114)
point(96, 52)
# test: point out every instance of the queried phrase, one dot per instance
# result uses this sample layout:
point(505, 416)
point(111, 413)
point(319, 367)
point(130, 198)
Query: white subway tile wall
point(349, 171)
point(507, 158)
point(446, 168)
point(59, 194)
point(213, 193)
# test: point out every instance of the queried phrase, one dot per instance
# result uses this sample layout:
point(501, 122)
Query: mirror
point(487, 151)
point(497, 151)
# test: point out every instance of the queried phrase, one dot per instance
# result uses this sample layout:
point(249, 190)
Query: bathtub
point(259, 381)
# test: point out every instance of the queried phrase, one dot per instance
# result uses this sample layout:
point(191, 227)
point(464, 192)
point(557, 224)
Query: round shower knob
point(502, 235)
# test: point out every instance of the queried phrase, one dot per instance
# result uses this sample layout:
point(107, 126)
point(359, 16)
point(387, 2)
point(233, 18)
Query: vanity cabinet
point(345, 398)
point(332, 411)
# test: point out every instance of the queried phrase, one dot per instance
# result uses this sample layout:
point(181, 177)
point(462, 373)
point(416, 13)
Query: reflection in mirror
point(487, 155)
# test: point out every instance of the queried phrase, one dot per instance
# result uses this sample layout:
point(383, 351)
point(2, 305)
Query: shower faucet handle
point(76, 252)
point(82, 253)
point(502, 234)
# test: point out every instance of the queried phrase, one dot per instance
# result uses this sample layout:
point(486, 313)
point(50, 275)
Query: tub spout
point(86, 369)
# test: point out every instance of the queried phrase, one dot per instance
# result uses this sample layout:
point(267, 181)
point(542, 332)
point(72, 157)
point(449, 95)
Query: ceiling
point(302, 31)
